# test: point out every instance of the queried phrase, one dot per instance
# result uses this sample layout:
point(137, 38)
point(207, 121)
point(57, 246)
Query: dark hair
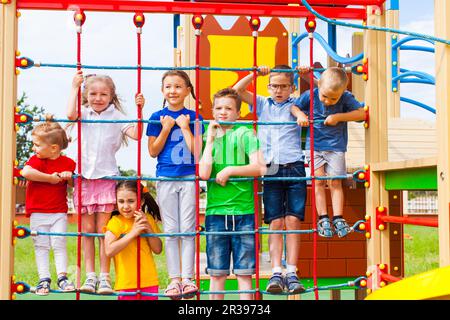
point(289, 75)
point(148, 204)
point(181, 74)
point(231, 93)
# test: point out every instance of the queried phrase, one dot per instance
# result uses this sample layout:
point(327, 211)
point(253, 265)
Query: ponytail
point(148, 203)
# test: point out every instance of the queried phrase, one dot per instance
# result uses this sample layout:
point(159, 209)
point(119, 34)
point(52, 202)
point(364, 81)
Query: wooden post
point(357, 81)
point(392, 21)
point(335, 294)
point(383, 118)
point(8, 96)
point(360, 294)
point(376, 135)
point(293, 26)
point(442, 54)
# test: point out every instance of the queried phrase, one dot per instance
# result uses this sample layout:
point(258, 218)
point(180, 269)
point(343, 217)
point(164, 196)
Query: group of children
point(229, 150)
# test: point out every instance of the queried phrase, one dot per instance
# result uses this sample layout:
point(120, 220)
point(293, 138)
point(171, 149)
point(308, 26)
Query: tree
point(24, 142)
point(132, 173)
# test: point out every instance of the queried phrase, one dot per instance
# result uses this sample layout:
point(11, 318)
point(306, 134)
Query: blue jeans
point(219, 248)
point(283, 198)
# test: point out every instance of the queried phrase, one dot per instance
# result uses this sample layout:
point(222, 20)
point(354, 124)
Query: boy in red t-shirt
point(48, 173)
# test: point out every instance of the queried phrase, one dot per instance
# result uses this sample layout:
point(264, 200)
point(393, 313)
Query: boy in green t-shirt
point(230, 151)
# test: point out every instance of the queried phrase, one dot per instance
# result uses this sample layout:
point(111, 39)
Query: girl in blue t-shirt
point(172, 142)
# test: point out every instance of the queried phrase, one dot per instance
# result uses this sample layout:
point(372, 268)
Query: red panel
point(234, 9)
point(311, 2)
point(356, 267)
point(331, 268)
point(347, 250)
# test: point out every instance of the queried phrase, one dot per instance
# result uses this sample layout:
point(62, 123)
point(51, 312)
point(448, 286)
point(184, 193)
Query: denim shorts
point(283, 198)
point(219, 248)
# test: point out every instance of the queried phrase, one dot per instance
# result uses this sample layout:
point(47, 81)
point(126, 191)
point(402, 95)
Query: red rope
point(196, 157)
point(313, 181)
point(79, 179)
point(139, 125)
point(255, 181)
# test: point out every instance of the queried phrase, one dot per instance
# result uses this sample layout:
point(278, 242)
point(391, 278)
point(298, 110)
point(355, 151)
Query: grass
point(420, 247)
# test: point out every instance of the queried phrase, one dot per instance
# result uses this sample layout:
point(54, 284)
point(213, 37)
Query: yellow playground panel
point(434, 284)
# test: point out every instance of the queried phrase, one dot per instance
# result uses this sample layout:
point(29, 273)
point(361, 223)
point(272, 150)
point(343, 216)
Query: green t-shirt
point(233, 149)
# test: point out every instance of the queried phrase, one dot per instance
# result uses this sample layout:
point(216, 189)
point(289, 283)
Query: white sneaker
point(89, 285)
point(104, 286)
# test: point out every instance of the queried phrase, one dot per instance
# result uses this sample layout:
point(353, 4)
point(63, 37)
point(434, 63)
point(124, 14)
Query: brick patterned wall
point(346, 257)
point(336, 257)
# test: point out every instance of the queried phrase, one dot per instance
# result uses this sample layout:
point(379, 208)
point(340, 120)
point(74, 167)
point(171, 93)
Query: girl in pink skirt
point(100, 143)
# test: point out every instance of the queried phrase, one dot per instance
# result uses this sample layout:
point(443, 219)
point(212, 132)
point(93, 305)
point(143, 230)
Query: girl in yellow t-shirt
point(122, 230)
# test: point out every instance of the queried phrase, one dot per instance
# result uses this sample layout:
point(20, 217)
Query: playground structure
point(381, 175)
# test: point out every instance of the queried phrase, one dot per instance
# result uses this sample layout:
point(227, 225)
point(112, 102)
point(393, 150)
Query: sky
point(110, 39)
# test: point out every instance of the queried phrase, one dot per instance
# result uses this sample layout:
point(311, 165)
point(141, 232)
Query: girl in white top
point(100, 142)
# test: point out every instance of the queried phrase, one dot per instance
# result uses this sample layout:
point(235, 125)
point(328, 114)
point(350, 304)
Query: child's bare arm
point(67, 175)
point(302, 118)
point(241, 85)
point(32, 174)
point(133, 132)
point(304, 74)
point(355, 115)
point(72, 112)
point(114, 245)
point(154, 243)
point(183, 121)
point(156, 144)
point(256, 167)
point(206, 162)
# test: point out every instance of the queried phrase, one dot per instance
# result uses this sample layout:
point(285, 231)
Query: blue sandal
point(65, 284)
point(43, 287)
point(341, 227)
point(324, 228)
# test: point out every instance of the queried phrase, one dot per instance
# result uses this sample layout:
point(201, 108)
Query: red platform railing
point(427, 222)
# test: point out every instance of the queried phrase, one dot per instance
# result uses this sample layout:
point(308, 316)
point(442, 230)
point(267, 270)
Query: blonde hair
point(334, 78)
point(115, 100)
point(51, 133)
point(90, 79)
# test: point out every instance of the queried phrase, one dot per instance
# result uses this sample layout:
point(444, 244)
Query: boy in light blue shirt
point(284, 201)
point(335, 106)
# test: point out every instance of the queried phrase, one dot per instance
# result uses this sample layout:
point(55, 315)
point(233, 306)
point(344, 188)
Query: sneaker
point(324, 228)
point(276, 283)
point(89, 285)
point(341, 227)
point(293, 285)
point(104, 286)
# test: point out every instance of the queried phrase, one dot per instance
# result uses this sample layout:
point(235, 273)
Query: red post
point(255, 23)
point(197, 22)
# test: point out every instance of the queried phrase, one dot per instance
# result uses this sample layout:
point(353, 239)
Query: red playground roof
point(332, 9)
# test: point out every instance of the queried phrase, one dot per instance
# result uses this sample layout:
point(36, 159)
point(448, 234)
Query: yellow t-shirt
point(125, 261)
